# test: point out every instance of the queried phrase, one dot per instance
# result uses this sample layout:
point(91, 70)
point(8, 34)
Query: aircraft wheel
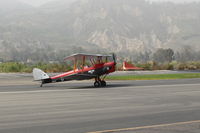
point(103, 83)
point(97, 84)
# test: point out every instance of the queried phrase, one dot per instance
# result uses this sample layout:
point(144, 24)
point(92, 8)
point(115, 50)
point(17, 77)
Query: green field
point(155, 77)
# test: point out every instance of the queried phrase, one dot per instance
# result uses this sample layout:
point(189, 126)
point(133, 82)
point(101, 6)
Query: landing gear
point(103, 83)
point(99, 83)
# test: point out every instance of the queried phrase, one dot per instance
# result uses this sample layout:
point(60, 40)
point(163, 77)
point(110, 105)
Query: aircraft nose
point(106, 69)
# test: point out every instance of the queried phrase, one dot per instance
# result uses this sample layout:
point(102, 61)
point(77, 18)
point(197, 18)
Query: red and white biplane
point(86, 66)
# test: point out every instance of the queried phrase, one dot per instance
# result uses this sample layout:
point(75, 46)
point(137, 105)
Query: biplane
point(130, 67)
point(85, 67)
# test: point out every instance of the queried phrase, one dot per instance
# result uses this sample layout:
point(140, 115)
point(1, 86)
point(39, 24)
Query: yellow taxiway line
point(146, 127)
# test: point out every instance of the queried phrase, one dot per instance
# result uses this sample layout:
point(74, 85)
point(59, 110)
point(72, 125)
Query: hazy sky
point(40, 2)
point(36, 2)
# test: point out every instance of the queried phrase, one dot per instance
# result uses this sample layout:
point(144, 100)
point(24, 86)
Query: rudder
point(39, 75)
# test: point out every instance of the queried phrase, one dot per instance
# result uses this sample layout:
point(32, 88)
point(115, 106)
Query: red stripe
point(97, 66)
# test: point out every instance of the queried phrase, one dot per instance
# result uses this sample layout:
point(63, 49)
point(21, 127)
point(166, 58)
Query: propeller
point(114, 58)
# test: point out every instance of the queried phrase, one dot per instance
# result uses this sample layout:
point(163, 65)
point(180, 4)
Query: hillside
point(57, 29)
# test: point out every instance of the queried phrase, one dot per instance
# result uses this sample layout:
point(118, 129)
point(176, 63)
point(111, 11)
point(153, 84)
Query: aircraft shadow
point(108, 86)
point(68, 87)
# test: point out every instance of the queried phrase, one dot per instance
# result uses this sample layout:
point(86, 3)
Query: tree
point(163, 55)
point(187, 53)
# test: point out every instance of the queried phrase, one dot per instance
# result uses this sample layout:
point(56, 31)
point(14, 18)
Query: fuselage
point(85, 73)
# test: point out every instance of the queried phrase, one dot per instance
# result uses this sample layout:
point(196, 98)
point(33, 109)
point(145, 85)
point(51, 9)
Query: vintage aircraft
point(86, 66)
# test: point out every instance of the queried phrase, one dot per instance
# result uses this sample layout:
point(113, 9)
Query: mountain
point(126, 27)
point(8, 7)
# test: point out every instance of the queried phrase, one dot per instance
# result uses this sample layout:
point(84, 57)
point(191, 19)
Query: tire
point(103, 83)
point(97, 84)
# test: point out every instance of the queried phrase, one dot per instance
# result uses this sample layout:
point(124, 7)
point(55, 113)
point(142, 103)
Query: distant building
point(54, 62)
point(130, 67)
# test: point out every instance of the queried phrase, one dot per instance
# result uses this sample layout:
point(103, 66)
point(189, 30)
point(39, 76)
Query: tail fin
point(39, 74)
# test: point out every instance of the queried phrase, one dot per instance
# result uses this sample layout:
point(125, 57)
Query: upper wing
point(80, 56)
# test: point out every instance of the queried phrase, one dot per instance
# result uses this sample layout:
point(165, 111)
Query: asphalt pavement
point(77, 107)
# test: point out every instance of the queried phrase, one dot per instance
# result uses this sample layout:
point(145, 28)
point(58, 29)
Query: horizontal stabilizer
point(39, 74)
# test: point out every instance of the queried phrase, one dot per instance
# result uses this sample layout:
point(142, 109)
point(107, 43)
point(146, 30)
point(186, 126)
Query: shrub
point(11, 67)
point(19, 67)
point(146, 66)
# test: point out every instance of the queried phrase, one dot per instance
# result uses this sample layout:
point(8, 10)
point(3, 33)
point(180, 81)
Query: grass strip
point(155, 76)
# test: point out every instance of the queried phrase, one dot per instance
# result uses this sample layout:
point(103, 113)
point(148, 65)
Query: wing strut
point(75, 64)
